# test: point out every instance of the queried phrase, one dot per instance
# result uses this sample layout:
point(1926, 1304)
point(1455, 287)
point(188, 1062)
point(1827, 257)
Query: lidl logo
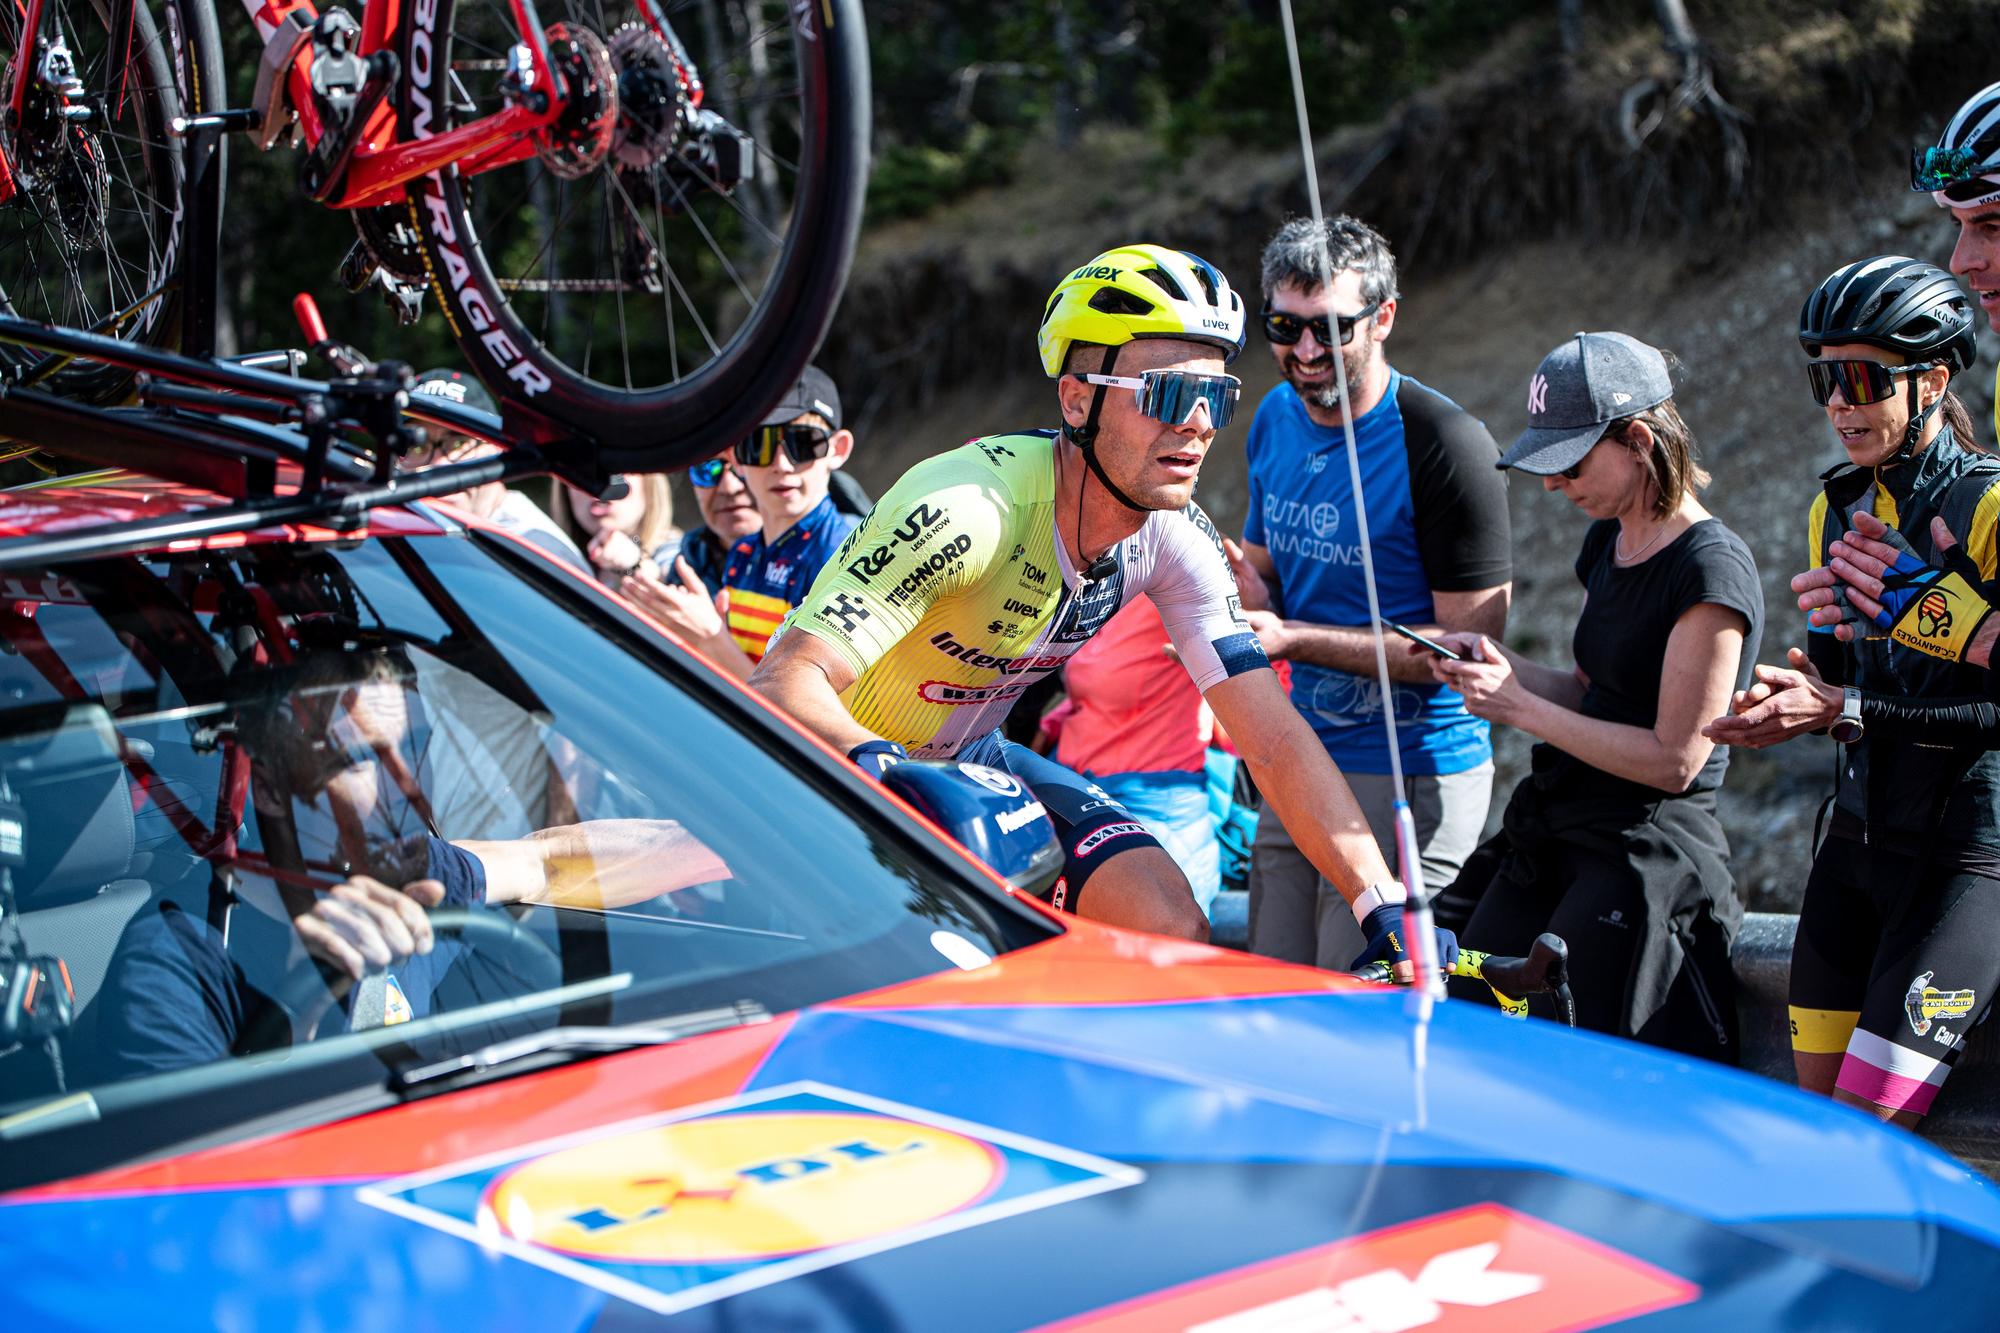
point(683, 1209)
point(1485, 1268)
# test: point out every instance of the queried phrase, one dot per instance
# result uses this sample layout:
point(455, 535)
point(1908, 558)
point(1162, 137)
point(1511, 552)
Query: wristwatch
point(1848, 727)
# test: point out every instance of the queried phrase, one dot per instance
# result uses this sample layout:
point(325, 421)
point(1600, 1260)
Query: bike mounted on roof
point(637, 228)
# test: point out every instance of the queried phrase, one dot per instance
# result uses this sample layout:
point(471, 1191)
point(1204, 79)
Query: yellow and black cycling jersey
point(955, 595)
point(1895, 782)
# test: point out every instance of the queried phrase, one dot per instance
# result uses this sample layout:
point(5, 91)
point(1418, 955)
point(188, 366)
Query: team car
point(712, 1032)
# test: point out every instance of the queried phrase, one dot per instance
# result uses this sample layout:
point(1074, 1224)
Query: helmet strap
point(1084, 437)
point(1919, 418)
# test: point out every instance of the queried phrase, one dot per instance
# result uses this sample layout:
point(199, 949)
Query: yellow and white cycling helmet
point(1142, 291)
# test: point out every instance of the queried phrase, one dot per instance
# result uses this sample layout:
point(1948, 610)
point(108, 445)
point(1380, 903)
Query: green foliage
point(959, 84)
point(910, 180)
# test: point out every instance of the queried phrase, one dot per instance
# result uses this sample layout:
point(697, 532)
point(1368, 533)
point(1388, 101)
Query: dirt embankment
point(935, 342)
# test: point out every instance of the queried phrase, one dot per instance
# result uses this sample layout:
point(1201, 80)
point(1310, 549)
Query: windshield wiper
point(502, 1056)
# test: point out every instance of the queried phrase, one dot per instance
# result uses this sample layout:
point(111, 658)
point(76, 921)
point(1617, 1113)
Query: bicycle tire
point(58, 207)
point(670, 425)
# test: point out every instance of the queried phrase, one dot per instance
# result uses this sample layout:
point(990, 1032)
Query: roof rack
point(229, 427)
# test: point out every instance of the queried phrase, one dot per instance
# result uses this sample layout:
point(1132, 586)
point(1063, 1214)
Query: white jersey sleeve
point(1190, 582)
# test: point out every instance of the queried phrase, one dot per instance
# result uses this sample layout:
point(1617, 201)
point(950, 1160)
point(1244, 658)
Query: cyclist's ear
point(1075, 397)
point(838, 448)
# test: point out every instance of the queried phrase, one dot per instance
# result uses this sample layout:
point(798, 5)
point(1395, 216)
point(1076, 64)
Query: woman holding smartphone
point(1612, 841)
point(1894, 962)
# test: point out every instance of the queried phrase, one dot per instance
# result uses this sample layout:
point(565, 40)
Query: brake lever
point(1545, 971)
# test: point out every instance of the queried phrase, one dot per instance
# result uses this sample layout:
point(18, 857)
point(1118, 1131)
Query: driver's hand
point(1383, 929)
point(364, 924)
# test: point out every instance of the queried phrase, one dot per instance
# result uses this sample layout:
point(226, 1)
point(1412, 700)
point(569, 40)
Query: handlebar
point(1545, 971)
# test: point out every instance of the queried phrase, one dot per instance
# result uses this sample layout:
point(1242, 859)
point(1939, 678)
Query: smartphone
point(1422, 642)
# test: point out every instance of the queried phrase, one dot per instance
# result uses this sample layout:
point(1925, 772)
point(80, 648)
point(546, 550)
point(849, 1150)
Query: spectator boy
point(785, 466)
point(1437, 521)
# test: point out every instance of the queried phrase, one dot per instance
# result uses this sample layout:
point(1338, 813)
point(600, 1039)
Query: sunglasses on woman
point(1284, 328)
point(1860, 382)
point(1172, 395)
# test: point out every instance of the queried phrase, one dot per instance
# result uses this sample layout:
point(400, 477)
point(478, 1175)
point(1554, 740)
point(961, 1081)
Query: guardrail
point(1966, 1120)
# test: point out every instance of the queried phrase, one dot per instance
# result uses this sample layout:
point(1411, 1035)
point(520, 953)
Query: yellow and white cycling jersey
point(954, 595)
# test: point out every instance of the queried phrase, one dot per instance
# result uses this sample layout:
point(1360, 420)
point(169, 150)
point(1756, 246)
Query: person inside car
point(351, 865)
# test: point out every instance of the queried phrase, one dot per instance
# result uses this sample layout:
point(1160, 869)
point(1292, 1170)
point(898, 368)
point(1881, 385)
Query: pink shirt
point(1131, 708)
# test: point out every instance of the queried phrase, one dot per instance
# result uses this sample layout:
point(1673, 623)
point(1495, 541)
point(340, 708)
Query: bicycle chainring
point(652, 98)
point(579, 140)
point(392, 241)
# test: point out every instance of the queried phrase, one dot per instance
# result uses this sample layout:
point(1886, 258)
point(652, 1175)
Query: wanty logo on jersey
point(955, 695)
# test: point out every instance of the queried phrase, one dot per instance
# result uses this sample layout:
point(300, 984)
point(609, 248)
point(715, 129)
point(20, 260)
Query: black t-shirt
point(1621, 638)
point(1460, 498)
point(175, 996)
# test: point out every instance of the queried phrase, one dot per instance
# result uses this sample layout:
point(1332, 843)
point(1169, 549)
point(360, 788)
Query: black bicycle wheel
point(88, 237)
point(661, 268)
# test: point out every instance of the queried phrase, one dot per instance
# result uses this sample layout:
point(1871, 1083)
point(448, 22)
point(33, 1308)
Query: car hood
point(1089, 1133)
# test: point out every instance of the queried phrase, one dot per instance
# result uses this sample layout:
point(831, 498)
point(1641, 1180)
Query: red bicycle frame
point(382, 163)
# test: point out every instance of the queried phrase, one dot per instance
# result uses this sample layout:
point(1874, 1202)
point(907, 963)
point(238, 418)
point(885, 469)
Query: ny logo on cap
point(1538, 395)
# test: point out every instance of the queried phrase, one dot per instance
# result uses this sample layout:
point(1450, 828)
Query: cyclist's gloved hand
point(1935, 609)
point(1383, 928)
point(873, 757)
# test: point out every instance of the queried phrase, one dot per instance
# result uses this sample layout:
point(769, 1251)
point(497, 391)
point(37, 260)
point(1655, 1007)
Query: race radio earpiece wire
point(1427, 979)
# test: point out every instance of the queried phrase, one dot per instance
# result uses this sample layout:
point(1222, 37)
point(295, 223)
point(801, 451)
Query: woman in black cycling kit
point(1612, 841)
point(1894, 963)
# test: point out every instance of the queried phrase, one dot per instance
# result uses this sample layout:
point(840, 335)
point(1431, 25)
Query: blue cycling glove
point(1936, 609)
point(1383, 928)
point(872, 757)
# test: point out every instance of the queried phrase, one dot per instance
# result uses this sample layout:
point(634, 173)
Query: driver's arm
point(599, 864)
point(804, 676)
point(1303, 787)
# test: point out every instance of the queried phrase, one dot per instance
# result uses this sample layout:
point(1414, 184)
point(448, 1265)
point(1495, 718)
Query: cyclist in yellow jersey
point(987, 566)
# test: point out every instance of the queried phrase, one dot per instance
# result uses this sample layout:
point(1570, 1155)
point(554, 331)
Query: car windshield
point(227, 766)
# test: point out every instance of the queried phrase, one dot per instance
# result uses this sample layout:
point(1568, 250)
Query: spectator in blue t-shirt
point(1437, 522)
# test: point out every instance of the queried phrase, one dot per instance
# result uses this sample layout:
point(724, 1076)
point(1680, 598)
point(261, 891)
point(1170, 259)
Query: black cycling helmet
point(1896, 303)
point(1900, 305)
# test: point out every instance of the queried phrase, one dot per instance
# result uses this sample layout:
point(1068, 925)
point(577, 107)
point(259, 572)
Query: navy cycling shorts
point(1093, 827)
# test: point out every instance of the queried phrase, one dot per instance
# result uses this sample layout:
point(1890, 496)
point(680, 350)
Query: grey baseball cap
point(1579, 389)
point(813, 393)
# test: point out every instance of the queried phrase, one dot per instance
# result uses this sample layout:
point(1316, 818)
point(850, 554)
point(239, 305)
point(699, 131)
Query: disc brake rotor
point(651, 97)
point(580, 138)
point(82, 189)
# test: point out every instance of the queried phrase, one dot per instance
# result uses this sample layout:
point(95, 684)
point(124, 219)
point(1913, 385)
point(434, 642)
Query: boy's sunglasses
point(1959, 172)
point(1859, 382)
point(801, 443)
point(1285, 328)
point(1172, 395)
